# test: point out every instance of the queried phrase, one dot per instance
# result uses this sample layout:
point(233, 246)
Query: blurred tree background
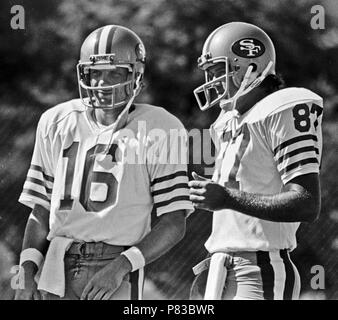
point(38, 71)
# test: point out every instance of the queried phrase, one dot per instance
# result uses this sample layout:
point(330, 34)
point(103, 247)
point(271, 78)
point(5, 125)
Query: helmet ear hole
point(254, 66)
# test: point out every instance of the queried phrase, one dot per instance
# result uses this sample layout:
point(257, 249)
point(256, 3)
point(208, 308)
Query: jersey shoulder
point(53, 116)
point(156, 117)
point(281, 100)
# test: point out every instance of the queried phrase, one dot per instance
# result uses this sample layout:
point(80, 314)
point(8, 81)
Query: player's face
point(108, 77)
point(218, 70)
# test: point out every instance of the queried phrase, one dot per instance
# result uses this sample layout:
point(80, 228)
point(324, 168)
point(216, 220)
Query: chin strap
point(123, 116)
point(233, 122)
point(244, 89)
point(259, 79)
point(136, 91)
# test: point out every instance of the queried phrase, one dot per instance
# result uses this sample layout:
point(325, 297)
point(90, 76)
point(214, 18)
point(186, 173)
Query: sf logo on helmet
point(248, 48)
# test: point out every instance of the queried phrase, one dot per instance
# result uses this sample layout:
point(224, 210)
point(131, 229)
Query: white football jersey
point(101, 183)
point(277, 140)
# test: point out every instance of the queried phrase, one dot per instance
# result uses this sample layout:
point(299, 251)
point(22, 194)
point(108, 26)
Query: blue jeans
point(83, 260)
point(258, 275)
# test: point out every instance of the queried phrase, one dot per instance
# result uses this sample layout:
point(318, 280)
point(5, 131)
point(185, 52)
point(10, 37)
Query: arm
point(298, 202)
point(35, 236)
point(169, 230)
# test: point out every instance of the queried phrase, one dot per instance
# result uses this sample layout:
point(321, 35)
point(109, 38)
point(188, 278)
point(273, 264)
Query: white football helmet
point(111, 47)
point(248, 56)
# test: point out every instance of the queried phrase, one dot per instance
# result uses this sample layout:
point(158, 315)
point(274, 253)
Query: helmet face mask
point(248, 55)
point(215, 88)
point(108, 49)
point(106, 95)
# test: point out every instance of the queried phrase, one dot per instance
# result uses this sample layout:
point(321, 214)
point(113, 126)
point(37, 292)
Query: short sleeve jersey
point(102, 183)
point(277, 140)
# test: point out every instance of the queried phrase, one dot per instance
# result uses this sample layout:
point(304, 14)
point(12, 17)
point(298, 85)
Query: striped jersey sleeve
point(295, 135)
point(167, 165)
point(39, 182)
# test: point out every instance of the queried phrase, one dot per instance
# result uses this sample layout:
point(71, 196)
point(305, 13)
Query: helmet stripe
point(110, 39)
point(103, 39)
point(97, 41)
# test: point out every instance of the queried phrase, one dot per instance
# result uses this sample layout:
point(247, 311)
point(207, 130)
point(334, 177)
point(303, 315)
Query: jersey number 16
point(89, 177)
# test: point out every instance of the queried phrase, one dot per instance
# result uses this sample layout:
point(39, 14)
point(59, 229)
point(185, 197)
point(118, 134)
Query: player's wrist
point(126, 264)
point(31, 259)
point(29, 268)
point(135, 258)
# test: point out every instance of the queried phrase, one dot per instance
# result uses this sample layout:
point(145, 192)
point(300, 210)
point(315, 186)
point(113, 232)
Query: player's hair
point(273, 82)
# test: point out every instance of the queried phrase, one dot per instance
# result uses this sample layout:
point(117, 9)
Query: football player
point(95, 178)
point(266, 179)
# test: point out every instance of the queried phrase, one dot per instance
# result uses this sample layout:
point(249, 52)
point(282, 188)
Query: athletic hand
point(106, 281)
point(208, 195)
point(30, 288)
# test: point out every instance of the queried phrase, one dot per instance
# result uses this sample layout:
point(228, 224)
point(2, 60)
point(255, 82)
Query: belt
point(97, 249)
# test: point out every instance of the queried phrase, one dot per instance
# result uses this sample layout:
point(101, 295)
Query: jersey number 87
point(302, 116)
